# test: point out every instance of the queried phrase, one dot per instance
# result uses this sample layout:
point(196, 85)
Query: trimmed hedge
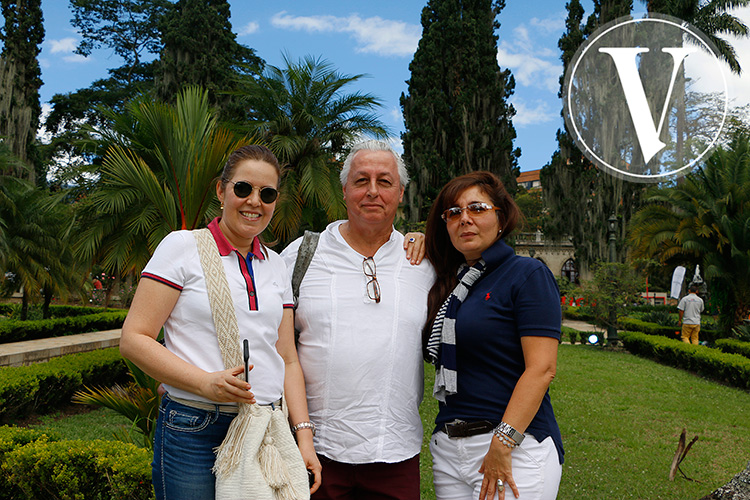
point(578, 313)
point(56, 311)
point(35, 465)
point(672, 332)
point(10, 439)
point(44, 387)
point(15, 330)
point(732, 369)
point(734, 346)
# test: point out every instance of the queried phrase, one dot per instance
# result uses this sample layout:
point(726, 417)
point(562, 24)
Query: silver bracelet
point(510, 432)
point(505, 440)
point(304, 425)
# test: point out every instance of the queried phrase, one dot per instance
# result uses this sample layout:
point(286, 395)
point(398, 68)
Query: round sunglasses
point(478, 208)
point(243, 189)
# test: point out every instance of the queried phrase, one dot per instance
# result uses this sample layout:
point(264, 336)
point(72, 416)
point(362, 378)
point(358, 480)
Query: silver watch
point(510, 432)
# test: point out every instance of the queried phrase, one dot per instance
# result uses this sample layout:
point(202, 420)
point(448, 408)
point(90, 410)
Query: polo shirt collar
point(225, 248)
point(497, 254)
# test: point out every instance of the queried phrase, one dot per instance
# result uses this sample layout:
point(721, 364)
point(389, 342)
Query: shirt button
point(252, 294)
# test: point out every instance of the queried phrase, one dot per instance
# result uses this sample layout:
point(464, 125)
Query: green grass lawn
point(620, 416)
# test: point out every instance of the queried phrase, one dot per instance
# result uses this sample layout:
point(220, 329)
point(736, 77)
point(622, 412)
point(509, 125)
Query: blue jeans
point(184, 450)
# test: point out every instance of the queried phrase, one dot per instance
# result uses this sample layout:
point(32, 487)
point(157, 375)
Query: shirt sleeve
point(537, 305)
point(167, 265)
point(289, 254)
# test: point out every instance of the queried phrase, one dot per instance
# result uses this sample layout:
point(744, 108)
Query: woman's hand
point(497, 464)
point(225, 387)
point(305, 443)
point(414, 246)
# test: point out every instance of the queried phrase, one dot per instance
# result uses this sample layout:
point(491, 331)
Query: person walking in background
point(689, 310)
point(201, 394)
point(492, 334)
point(360, 311)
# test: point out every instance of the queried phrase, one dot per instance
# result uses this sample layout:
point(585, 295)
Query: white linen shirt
point(362, 360)
point(259, 300)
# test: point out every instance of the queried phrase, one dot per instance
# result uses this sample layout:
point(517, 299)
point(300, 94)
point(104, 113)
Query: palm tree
point(157, 176)
point(308, 119)
point(712, 18)
point(705, 220)
point(35, 256)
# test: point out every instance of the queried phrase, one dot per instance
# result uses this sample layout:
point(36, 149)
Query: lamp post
point(612, 337)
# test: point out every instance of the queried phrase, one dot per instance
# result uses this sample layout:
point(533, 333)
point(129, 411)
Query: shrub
point(661, 317)
point(732, 369)
point(96, 470)
point(10, 439)
point(672, 332)
point(43, 387)
point(582, 313)
point(571, 333)
point(734, 346)
point(16, 330)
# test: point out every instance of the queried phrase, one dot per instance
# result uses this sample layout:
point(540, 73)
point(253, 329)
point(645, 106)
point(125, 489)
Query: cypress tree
point(20, 79)
point(201, 49)
point(456, 111)
point(579, 196)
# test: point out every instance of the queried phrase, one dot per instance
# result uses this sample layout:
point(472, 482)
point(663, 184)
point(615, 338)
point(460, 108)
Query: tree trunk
point(24, 305)
point(736, 489)
point(47, 293)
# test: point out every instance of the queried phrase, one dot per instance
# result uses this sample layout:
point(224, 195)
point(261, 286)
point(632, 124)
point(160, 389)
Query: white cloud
point(373, 34)
point(740, 85)
point(75, 58)
point(249, 28)
point(524, 53)
point(708, 77)
point(64, 45)
point(534, 114)
point(551, 25)
point(396, 115)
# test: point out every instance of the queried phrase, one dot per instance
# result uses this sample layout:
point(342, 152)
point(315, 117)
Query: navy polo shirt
point(516, 296)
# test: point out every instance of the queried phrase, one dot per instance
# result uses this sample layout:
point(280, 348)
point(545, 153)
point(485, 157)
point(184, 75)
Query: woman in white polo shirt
point(201, 395)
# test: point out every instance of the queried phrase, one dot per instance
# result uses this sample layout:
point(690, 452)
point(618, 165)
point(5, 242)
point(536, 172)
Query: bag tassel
point(229, 452)
point(274, 471)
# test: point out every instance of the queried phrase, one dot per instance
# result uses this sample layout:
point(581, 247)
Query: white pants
point(456, 463)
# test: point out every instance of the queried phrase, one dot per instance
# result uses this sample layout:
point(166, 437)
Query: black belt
point(459, 428)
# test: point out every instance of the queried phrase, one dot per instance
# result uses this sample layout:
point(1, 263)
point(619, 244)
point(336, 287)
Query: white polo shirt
point(260, 290)
point(362, 360)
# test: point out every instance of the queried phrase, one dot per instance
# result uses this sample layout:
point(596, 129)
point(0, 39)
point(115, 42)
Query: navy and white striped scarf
point(441, 346)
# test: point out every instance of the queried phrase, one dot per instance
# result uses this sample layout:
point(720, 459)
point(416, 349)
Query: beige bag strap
point(220, 298)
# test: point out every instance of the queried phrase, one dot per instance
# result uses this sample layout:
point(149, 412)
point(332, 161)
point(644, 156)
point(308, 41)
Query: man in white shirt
point(360, 313)
point(689, 310)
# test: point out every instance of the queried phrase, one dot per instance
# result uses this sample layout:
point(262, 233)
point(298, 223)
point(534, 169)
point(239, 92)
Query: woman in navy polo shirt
point(201, 394)
point(492, 332)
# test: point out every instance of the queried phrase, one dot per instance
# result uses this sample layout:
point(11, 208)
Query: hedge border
point(672, 332)
point(734, 346)
point(732, 369)
point(45, 387)
point(15, 330)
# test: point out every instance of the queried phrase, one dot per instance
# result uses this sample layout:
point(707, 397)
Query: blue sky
point(377, 39)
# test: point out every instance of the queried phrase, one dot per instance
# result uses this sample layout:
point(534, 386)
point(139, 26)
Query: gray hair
point(373, 145)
